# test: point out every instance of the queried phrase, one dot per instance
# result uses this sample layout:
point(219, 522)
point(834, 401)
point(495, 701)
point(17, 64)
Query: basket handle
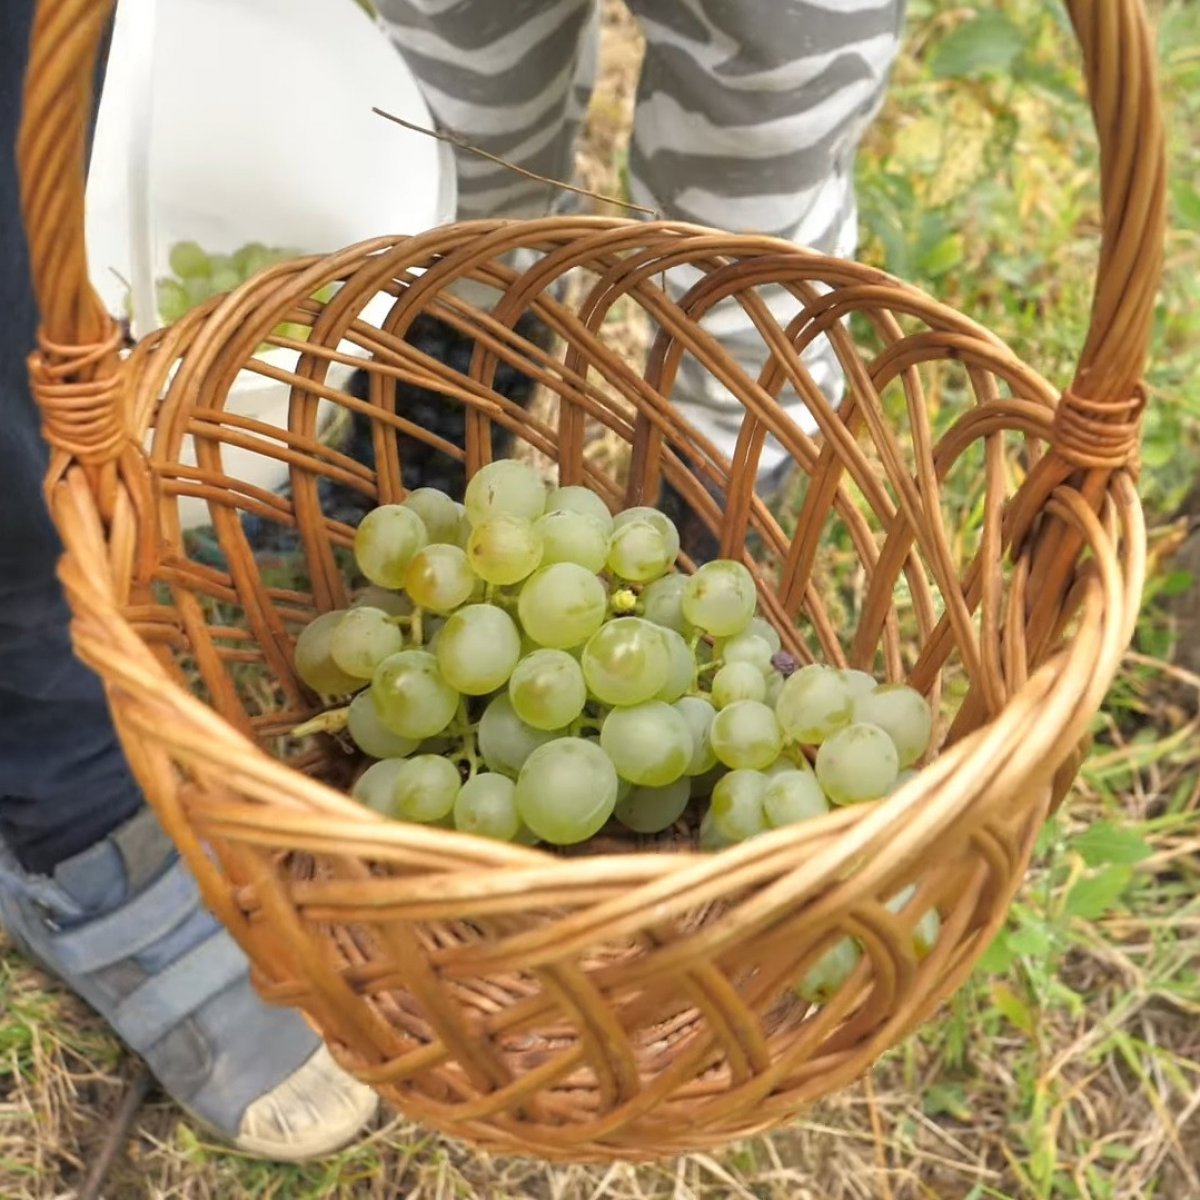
point(75, 372)
point(1096, 425)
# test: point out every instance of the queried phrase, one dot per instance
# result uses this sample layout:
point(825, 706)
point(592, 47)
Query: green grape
point(651, 810)
point(902, 778)
point(639, 552)
point(199, 289)
point(926, 933)
point(547, 689)
point(859, 682)
point(188, 260)
point(477, 649)
point(395, 604)
point(425, 789)
point(662, 604)
point(581, 500)
point(783, 763)
point(486, 806)
point(439, 514)
point(682, 672)
point(313, 657)
point(738, 681)
point(763, 629)
point(711, 838)
point(791, 796)
point(699, 714)
point(649, 743)
point(251, 258)
point(364, 637)
point(370, 735)
point(293, 330)
point(375, 787)
point(505, 486)
point(903, 714)
point(562, 605)
point(566, 790)
point(720, 598)
point(504, 549)
point(826, 976)
point(410, 695)
point(626, 661)
point(748, 648)
point(746, 735)
point(573, 537)
point(440, 578)
point(172, 299)
point(926, 930)
point(857, 763)
point(814, 703)
point(505, 741)
point(659, 520)
point(385, 542)
point(223, 279)
point(737, 805)
point(775, 683)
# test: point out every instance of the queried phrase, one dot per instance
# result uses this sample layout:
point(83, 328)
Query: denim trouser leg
point(63, 779)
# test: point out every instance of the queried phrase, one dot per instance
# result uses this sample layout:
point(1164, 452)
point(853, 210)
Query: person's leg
point(63, 779)
point(512, 78)
point(749, 116)
point(89, 884)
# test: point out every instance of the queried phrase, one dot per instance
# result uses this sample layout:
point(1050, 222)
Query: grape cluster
point(197, 276)
point(526, 666)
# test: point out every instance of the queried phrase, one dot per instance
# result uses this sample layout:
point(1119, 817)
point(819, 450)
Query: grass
point(1069, 1066)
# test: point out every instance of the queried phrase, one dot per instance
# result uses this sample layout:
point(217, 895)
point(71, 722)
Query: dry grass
point(1068, 1067)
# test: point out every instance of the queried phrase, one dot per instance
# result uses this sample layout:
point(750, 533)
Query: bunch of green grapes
point(197, 276)
point(525, 665)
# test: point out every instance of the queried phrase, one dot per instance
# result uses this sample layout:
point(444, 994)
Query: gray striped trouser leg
point(749, 114)
point(512, 77)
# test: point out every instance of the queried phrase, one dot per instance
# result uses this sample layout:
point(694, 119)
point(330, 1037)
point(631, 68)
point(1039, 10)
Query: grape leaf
point(1030, 940)
point(1186, 199)
point(998, 957)
point(1093, 896)
point(1014, 1008)
point(988, 45)
point(1106, 842)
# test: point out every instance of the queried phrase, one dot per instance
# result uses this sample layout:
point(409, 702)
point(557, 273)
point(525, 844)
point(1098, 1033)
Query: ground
point(1069, 1066)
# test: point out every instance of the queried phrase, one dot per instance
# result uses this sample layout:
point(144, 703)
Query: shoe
point(696, 540)
point(123, 926)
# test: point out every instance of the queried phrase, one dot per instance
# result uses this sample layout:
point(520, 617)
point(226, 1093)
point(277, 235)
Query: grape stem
point(331, 721)
point(462, 729)
point(415, 630)
point(701, 667)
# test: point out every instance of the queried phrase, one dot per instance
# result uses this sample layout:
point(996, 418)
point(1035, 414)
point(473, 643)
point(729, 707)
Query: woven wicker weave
point(629, 1004)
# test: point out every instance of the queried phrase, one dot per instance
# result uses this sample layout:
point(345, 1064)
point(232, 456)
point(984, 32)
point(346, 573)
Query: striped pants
point(748, 117)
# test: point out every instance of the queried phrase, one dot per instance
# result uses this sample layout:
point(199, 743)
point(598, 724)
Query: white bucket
point(234, 121)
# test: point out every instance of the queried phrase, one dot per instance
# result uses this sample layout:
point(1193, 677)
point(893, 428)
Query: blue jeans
point(63, 779)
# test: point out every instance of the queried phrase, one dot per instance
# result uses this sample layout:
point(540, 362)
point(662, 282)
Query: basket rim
point(1069, 691)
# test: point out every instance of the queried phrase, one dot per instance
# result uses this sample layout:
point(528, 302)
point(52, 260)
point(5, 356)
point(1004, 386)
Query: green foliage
point(980, 184)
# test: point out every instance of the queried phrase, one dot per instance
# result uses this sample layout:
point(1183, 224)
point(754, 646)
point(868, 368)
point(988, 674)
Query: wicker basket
point(628, 1004)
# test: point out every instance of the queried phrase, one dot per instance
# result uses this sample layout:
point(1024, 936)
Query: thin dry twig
point(131, 1104)
point(454, 139)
